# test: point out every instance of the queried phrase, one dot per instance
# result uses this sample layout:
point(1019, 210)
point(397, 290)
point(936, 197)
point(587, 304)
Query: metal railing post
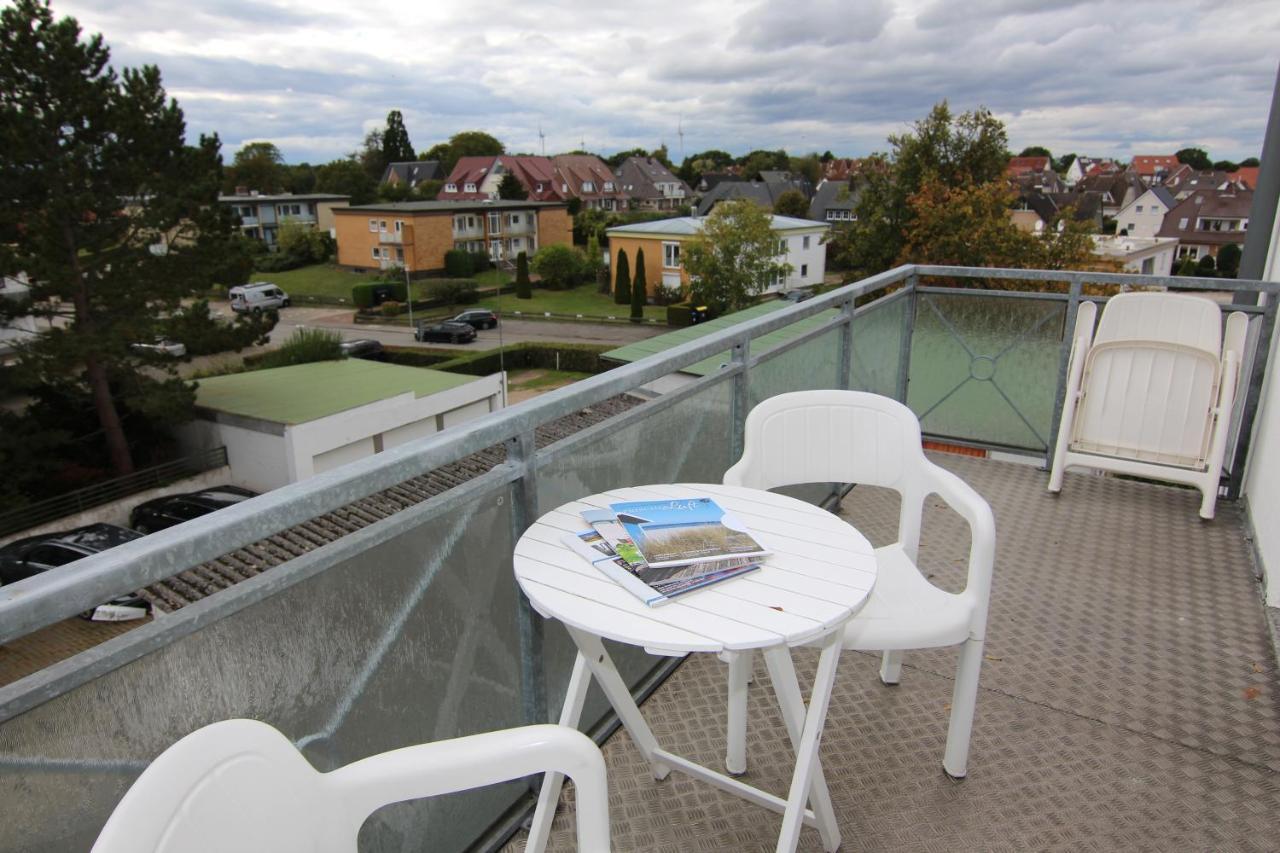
point(1253, 396)
point(844, 371)
point(741, 401)
point(522, 452)
point(1064, 358)
point(904, 344)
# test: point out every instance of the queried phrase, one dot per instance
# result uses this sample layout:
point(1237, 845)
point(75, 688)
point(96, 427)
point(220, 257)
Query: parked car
point(169, 510)
point(162, 347)
point(364, 348)
point(449, 332)
point(477, 318)
point(797, 295)
point(24, 558)
point(256, 297)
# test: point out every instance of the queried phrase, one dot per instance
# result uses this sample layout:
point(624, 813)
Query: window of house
point(451, 188)
point(806, 242)
point(399, 226)
point(1182, 224)
point(1129, 227)
point(459, 223)
point(804, 268)
point(671, 255)
point(377, 252)
point(495, 222)
point(782, 246)
point(588, 186)
point(400, 255)
point(608, 186)
point(1148, 266)
point(537, 187)
point(382, 225)
point(470, 188)
point(373, 225)
point(1139, 208)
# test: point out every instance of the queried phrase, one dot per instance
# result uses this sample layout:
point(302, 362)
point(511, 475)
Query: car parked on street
point(800, 294)
point(169, 510)
point(364, 348)
point(477, 318)
point(33, 555)
point(447, 332)
point(161, 347)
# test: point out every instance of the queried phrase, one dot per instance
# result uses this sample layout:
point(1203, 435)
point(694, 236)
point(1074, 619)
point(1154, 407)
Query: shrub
point(458, 264)
point(303, 347)
point(639, 289)
point(480, 262)
point(418, 356)
point(622, 280)
point(667, 294)
point(1229, 260)
point(364, 295)
point(454, 291)
point(581, 358)
point(523, 289)
point(391, 308)
point(559, 266)
point(680, 314)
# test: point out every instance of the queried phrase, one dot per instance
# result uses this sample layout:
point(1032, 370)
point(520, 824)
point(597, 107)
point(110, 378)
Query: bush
point(458, 264)
point(580, 358)
point(559, 266)
point(453, 291)
point(303, 347)
point(418, 356)
point(667, 294)
point(364, 295)
point(480, 262)
point(391, 308)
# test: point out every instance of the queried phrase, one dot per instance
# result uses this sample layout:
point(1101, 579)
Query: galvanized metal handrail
point(79, 500)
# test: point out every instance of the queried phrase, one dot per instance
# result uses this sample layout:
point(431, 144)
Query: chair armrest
point(470, 762)
point(970, 506)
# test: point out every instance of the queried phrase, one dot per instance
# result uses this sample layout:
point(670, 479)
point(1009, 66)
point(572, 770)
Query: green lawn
point(324, 280)
point(585, 300)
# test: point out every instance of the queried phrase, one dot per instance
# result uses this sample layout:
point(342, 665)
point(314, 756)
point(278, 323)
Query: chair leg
point(891, 668)
point(1209, 501)
point(741, 665)
point(549, 795)
point(963, 701)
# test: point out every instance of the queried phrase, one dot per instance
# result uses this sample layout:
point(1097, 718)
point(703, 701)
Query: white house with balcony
point(261, 215)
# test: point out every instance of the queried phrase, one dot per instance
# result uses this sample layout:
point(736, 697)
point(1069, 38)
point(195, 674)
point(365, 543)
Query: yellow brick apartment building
point(416, 234)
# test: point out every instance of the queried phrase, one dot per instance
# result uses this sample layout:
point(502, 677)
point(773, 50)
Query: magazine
point(653, 586)
point(681, 531)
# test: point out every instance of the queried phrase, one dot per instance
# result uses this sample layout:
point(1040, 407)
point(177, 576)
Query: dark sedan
point(448, 332)
point(24, 558)
point(174, 509)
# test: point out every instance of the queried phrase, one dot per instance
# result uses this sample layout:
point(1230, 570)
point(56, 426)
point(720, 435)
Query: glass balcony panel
point(412, 640)
point(877, 348)
point(809, 366)
point(985, 368)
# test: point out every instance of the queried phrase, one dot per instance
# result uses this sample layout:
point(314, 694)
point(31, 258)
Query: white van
point(257, 296)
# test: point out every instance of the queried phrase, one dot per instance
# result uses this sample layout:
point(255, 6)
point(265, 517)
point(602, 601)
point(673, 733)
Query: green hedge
point(581, 358)
point(362, 294)
point(418, 356)
point(458, 264)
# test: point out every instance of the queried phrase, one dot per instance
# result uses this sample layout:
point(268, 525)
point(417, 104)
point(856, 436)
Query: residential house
point(286, 424)
point(764, 192)
point(587, 178)
point(799, 243)
point(1044, 180)
point(412, 173)
point(1115, 189)
point(708, 181)
point(651, 185)
point(1018, 166)
point(1084, 167)
point(14, 330)
point(834, 201)
point(840, 169)
point(1142, 255)
point(1153, 168)
point(1144, 215)
point(1246, 177)
point(1035, 210)
point(261, 215)
point(417, 234)
point(1206, 220)
point(1188, 181)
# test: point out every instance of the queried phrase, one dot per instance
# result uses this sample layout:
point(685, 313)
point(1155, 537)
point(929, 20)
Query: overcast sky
point(1096, 78)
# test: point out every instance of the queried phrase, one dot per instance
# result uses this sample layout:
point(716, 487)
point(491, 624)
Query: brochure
point(653, 586)
point(682, 531)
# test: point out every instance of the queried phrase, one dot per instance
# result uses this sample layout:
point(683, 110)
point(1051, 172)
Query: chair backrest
point(1151, 379)
point(233, 785)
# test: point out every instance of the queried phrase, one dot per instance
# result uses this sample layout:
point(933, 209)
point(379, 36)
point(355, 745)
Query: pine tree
point(639, 289)
point(524, 290)
point(395, 141)
point(622, 280)
point(111, 214)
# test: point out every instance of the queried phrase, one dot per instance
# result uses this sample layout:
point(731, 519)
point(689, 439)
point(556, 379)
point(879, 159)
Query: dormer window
point(608, 186)
point(451, 188)
point(470, 187)
point(588, 187)
point(537, 188)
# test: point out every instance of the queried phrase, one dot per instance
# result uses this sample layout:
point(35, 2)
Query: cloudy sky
point(1097, 78)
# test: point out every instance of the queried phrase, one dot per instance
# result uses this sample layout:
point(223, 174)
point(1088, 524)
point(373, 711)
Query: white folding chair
point(854, 437)
point(240, 785)
point(1150, 394)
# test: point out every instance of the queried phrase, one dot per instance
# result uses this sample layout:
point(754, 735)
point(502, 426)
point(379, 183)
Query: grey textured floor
point(1128, 700)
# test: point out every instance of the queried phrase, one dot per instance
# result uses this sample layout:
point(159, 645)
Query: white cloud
point(802, 74)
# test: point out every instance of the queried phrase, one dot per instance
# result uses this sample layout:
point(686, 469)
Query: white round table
point(817, 575)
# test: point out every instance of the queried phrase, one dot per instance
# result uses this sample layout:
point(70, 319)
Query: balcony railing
point(410, 629)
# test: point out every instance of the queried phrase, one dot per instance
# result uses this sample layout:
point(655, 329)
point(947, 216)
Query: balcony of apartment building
point(1128, 697)
point(468, 227)
point(400, 233)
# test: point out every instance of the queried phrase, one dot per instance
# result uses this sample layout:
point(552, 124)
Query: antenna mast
point(542, 136)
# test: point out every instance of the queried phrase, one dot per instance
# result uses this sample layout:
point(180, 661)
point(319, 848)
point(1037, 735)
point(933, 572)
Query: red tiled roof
point(1248, 175)
point(468, 170)
point(1148, 164)
point(1022, 165)
point(572, 170)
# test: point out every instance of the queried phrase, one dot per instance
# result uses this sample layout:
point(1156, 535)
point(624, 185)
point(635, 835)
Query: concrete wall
point(117, 512)
point(813, 258)
point(258, 460)
point(324, 213)
point(1262, 480)
point(554, 226)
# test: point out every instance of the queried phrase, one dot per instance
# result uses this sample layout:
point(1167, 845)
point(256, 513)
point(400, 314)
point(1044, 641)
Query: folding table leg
point(570, 715)
point(805, 728)
point(735, 760)
point(606, 674)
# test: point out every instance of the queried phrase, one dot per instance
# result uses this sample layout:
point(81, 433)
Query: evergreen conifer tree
point(622, 280)
point(639, 289)
point(524, 290)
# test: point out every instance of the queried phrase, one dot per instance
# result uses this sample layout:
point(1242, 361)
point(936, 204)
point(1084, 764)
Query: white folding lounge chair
point(1150, 393)
point(855, 437)
point(240, 785)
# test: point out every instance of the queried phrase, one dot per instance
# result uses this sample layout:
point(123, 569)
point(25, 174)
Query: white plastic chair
point(240, 785)
point(1150, 394)
point(854, 437)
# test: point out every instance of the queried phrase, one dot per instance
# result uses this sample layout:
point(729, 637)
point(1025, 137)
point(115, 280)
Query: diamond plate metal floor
point(1129, 698)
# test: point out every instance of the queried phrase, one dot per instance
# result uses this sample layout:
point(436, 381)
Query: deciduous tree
point(111, 214)
point(792, 203)
point(346, 177)
point(257, 166)
point(558, 265)
point(1196, 158)
point(734, 258)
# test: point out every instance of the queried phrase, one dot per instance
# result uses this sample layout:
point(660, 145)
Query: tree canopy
point(468, 143)
point(346, 177)
point(792, 203)
point(113, 217)
point(395, 141)
point(1196, 158)
point(734, 258)
point(511, 188)
point(257, 166)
